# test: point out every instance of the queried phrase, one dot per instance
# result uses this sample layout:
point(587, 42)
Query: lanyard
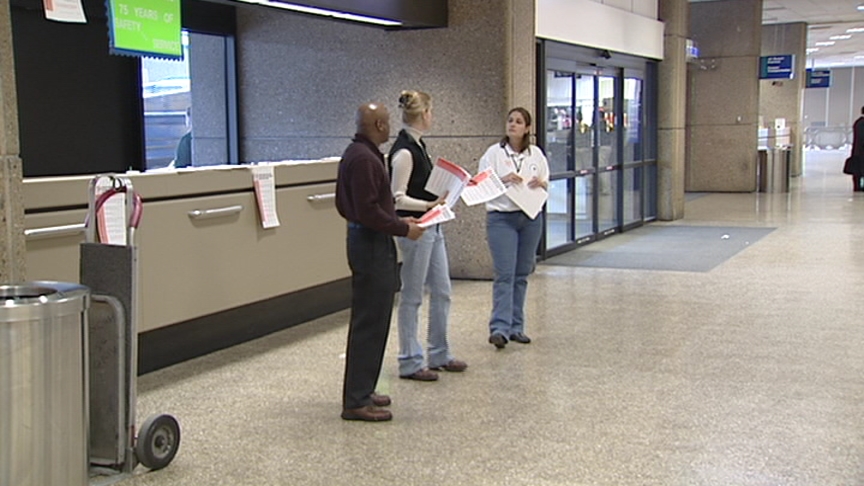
point(514, 157)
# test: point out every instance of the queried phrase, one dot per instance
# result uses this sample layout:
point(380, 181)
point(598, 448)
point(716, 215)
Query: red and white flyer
point(439, 214)
point(483, 187)
point(447, 177)
point(265, 193)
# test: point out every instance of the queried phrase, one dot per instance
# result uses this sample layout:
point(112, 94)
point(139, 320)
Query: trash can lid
point(42, 299)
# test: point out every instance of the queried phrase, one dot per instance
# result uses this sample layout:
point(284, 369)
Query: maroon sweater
point(363, 192)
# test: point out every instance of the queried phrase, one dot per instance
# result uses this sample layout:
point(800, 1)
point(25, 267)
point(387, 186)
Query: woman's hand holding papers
point(441, 200)
point(534, 183)
point(511, 179)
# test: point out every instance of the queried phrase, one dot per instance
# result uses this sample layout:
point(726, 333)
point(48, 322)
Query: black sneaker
point(498, 340)
point(520, 337)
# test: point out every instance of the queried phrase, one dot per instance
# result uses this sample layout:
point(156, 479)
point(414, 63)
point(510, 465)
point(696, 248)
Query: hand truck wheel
point(157, 441)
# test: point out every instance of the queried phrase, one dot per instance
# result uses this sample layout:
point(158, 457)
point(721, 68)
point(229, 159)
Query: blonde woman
point(424, 261)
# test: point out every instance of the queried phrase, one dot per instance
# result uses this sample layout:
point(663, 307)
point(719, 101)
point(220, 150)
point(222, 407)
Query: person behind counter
point(364, 199)
point(513, 236)
point(424, 262)
point(183, 152)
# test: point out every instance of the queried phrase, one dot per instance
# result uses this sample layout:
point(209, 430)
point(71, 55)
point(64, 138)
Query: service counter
point(201, 246)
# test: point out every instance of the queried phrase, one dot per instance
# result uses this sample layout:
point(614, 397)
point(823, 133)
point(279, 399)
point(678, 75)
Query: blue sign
point(818, 78)
point(777, 67)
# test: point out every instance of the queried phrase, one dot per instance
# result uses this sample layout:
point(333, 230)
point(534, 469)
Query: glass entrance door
point(633, 135)
point(608, 165)
point(559, 152)
point(597, 125)
point(584, 144)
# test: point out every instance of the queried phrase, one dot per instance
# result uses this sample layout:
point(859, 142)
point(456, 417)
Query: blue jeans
point(513, 239)
point(424, 264)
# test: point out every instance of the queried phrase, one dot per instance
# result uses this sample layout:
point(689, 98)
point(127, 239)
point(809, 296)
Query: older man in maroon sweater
point(363, 197)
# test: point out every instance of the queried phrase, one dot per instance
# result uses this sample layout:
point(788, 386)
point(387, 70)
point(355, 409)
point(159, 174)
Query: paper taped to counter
point(264, 181)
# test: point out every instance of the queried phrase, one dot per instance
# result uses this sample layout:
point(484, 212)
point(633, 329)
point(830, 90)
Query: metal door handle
point(321, 197)
point(53, 231)
point(215, 213)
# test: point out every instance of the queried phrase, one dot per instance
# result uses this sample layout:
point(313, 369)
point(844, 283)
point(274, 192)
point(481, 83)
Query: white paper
point(483, 187)
point(64, 11)
point(111, 216)
point(264, 181)
point(439, 214)
point(447, 177)
point(530, 201)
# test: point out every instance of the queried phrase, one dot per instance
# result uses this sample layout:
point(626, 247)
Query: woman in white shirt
point(513, 235)
point(424, 261)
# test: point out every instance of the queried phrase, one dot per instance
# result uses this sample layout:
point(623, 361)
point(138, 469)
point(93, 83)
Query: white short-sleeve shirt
point(504, 160)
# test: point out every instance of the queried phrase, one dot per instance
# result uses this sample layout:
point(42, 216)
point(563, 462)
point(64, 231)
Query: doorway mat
point(664, 248)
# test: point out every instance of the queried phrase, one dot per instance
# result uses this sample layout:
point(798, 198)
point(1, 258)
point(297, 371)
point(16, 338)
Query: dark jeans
point(374, 282)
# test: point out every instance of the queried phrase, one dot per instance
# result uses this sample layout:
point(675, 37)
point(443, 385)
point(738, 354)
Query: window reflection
point(584, 119)
point(632, 120)
point(606, 122)
point(632, 195)
point(166, 91)
point(185, 105)
point(559, 222)
point(559, 121)
point(607, 202)
point(583, 207)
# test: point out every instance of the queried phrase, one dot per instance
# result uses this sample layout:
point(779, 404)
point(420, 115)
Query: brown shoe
point(423, 375)
point(380, 400)
point(453, 365)
point(367, 414)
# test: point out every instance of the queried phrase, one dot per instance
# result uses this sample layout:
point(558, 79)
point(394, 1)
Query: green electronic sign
point(145, 28)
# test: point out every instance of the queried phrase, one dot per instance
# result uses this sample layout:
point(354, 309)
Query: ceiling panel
point(825, 19)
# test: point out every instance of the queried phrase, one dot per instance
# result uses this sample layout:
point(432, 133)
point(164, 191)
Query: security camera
point(605, 54)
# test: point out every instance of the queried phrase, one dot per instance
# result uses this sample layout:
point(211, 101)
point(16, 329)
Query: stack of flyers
point(483, 187)
point(439, 214)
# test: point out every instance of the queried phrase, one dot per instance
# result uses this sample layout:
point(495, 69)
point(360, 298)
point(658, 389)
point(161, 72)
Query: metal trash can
point(773, 169)
point(44, 416)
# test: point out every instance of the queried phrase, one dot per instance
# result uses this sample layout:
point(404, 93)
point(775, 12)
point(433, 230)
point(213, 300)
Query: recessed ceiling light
point(324, 12)
point(840, 37)
point(855, 30)
point(825, 43)
point(812, 49)
point(861, 7)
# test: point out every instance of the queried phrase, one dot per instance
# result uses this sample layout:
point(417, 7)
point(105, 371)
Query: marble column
point(672, 110)
point(784, 98)
point(11, 182)
point(723, 110)
point(466, 237)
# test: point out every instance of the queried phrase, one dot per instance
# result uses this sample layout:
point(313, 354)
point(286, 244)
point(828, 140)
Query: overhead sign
point(777, 67)
point(818, 78)
point(145, 28)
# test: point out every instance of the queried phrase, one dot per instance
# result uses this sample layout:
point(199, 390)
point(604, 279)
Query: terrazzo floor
point(751, 373)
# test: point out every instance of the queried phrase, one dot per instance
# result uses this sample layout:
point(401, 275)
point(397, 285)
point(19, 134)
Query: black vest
point(420, 170)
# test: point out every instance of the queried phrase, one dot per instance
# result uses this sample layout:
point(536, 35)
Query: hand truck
point(109, 267)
